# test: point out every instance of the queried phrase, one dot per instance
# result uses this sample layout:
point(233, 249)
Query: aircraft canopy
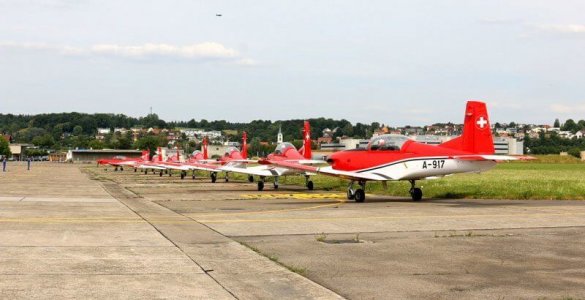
point(387, 142)
point(283, 147)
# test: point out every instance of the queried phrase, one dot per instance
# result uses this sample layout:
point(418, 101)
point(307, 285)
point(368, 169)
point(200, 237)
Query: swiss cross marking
point(481, 122)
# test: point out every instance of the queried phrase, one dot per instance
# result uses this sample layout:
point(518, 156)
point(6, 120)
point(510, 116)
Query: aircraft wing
point(307, 161)
point(492, 157)
point(203, 167)
point(327, 171)
point(256, 171)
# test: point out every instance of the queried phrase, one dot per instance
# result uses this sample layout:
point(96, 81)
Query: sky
point(408, 62)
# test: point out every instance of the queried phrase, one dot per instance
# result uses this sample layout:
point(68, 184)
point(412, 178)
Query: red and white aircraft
point(286, 153)
point(396, 157)
point(233, 156)
point(122, 161)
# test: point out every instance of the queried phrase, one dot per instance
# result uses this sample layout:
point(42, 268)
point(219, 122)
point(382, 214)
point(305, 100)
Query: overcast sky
point(395, 62)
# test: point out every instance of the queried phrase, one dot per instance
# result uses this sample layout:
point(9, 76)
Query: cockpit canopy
point(391, 142)
point(283, 147)
point(230, 150)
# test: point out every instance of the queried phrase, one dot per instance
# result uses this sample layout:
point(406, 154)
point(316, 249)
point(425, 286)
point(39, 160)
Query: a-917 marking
point(434, 164)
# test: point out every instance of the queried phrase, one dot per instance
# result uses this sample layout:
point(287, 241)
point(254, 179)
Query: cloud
point(562, 28)
point(566, 109)
point(201, 51)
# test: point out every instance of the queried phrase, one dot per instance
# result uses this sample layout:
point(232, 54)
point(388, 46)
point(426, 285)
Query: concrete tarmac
point(393, 248)
point(103, 234)
point(65, 236)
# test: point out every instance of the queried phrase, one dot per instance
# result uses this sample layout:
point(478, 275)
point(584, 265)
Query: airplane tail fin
point(307, 141)
point(205, 148)
point(145, 155)
point(245, 145)
point(477, 133)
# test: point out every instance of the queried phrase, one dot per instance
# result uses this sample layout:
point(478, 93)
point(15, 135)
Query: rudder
point(477, 135)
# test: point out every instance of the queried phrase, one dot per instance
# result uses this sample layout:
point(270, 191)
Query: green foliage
point(552, 145)
point(44, 141)
point(36, 152)
point(4, 147)
point(150, 143)
point(96, 144)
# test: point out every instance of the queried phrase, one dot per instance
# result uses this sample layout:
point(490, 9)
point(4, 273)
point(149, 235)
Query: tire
point(250, 178)
point(360, 195)
point(193, 176)
point(310, 185)
point(350, 194)
point(182, 175)
point(121, 169)
point(135, 170)
point(227, 179)
point(416, 194)
point(276, 186)
point(260, 185)
point(213, 177)
point(160, 174)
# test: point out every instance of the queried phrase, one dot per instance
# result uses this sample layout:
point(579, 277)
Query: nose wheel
point(358, 195)
point(309, 183)
point(415, 193)
point(250, 178)
point(213, 177)
point(261, 184)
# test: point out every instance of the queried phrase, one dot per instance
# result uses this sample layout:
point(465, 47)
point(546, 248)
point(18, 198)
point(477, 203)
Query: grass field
point(548, 177)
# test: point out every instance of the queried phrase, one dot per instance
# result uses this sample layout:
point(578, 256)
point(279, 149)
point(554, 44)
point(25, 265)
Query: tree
point(77, 130)
point(557, 123)
point(44, 141)
point(4, 147)
point(570, 125)
point(96, 144)
point(149, 143)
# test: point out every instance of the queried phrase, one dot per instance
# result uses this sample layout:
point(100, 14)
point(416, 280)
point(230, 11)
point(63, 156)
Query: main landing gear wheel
point(213, 177)
point(183, 174)
point(276, 182)
point(135, 170)
point(227, 179)
point(121, 168)
point(360, 195)
point(250, 178)
point(350, 194)
point(160, 174)
point(415, 193)
point(310, 185)
point(145, 172)
point(260, 185)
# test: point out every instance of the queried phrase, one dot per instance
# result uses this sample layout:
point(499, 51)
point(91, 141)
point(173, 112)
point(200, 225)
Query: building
point(85, 156)
point(19, 150)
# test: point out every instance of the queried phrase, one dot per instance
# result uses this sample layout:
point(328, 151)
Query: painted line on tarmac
point(275, 211)
point(299, 196)
point(379, 218)
point(45, 220)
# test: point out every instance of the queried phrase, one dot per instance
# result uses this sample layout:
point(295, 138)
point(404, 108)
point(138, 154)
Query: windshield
point(283, 147)
point(230, 150)
point(387, 142)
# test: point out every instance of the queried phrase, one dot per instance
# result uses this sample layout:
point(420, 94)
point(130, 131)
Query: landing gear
point(160, 173)
point(170, 173)
point(193, 175)
point(227, 179)
point(415, 193)
point(116, 169)
point(250, 178)
point(213, 177)
point(183, 174)
point(135, 170)
point(145, 171)
point(308, 183)
point(359, 195)
point(261, 184)
point(121, 168)
point(276, 182)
